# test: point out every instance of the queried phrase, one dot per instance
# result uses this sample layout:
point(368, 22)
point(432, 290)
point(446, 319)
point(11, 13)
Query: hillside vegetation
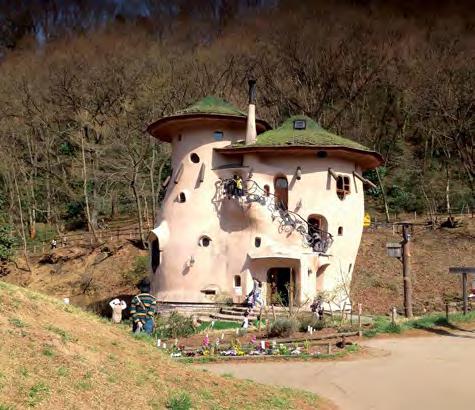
point(396, 77)
point(56, 356)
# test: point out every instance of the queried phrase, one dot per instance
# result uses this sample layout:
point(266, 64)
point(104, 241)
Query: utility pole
point(406, 269)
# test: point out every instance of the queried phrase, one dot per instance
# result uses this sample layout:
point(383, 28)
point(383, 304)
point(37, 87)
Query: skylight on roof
point(300, 124)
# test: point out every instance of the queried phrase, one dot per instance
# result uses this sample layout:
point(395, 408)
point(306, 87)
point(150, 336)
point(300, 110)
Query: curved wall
point(189, 272)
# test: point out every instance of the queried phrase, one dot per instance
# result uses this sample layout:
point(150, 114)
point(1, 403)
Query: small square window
point(218, 135)
point(343, 186)
point(300, 124)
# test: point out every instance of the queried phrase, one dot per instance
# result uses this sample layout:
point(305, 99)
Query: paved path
point(412, 373)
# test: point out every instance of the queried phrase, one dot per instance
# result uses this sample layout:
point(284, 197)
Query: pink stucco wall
point(233, 224)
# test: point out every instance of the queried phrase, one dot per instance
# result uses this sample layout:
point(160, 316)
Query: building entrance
point(280, 286)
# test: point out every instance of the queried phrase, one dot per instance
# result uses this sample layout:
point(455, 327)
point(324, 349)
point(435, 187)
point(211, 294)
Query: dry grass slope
point(56, 356)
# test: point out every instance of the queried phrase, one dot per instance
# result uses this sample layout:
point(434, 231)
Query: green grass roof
point(211, 105)
point(312, 135)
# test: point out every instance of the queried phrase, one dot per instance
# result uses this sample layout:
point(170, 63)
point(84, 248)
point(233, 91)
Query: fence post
point(393, 315)
point(447, 311)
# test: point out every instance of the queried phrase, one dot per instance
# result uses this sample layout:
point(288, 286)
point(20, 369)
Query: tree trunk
point(139, 207)
point(447, 190)
point(86, 196)
point(383, 194)
point(152, 183)
point(23, 234)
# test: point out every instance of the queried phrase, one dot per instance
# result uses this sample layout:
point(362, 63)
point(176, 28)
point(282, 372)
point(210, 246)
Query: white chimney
point(251, 133)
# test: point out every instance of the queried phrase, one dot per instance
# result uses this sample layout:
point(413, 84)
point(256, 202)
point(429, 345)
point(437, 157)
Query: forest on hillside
point(81, 80)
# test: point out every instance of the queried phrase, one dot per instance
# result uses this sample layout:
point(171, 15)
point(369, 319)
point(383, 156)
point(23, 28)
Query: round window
point(204, 241)
point(194, 158)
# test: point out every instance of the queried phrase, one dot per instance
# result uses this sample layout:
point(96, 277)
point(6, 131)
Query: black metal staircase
point(313, 237)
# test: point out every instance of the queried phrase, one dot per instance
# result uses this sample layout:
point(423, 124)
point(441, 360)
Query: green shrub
point(139, 270)
point(310, 320)
point(7, 242)
point(174, 325)
point(283, 327)
point(179, 401)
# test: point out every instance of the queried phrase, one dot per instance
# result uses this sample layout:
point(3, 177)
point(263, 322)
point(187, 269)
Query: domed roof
point(302, 133)
point(209, 107)
point(301, 130)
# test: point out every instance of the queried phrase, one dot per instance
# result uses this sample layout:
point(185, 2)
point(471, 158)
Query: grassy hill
point(56, 356)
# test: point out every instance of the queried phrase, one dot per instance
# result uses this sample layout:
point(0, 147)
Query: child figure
point(245, 322)
point(117, 307)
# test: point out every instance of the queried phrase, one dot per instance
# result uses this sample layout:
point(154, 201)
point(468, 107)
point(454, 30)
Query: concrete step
point(227, 318)
point(239, 315)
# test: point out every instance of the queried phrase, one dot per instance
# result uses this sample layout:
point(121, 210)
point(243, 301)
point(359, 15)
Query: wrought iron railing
point(313, 237)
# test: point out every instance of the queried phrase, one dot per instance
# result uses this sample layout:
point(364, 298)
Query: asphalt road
point(436, 372)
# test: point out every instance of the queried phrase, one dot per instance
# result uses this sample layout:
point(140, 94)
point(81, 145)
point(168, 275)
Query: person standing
point(239, 186)
point(142, 309)
point(117, 307)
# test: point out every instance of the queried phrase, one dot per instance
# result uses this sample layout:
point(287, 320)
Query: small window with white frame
point(343, 186)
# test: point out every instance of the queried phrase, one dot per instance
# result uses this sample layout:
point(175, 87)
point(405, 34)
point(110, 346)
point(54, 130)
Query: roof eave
point(154, 128)
point(372, 159)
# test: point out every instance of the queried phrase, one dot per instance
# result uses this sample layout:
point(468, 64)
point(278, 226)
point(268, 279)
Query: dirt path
point(416, 373)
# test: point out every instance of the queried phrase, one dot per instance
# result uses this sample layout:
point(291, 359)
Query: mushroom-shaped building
point(295, 226)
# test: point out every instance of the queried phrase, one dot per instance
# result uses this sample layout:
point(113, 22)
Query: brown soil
point(377, 280)
point(63, 273)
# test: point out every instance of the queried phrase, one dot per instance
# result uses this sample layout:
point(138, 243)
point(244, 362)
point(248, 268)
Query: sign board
point(367, 220)
point(394, 249)
point(461, 270)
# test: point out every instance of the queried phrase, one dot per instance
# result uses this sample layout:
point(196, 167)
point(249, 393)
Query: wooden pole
point(464, 290)
point(447, 311)
point(291, 292)
point(360, 309)
point(267, 322)
point(406, 270)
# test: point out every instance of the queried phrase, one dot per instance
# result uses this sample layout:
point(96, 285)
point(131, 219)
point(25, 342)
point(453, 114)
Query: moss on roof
point(312, 135)
point(211, 105)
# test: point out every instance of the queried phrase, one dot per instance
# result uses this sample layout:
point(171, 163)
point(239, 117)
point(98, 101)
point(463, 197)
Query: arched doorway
point(154, 247)
point(282, 289)
point(281, 192)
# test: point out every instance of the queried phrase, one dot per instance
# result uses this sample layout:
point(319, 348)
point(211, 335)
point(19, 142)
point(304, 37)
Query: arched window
point(266, 190)
point(317, 222)
point(194, 157)
point(154, 254)
point(257, 241)
point(281, 192)
point(340, 231)
point(237, 281)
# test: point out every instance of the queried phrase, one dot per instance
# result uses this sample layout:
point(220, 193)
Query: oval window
point(204, 241)
point(194, 158)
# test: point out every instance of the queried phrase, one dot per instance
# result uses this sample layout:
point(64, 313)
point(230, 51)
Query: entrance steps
point(236, 313)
